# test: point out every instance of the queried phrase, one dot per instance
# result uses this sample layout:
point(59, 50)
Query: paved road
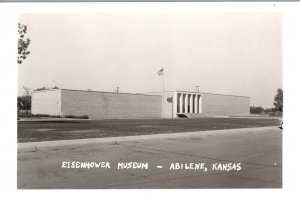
point(259, 150)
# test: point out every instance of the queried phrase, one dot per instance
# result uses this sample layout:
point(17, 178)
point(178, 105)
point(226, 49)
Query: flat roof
point(146, 93)
point(215, 94)
point(95, 91)
point(184, 91)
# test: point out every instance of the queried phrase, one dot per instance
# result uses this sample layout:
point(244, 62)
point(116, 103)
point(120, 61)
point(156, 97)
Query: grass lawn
point(34, 131)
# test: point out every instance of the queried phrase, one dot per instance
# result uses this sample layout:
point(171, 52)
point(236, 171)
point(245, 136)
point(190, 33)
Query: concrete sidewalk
point(258, 150)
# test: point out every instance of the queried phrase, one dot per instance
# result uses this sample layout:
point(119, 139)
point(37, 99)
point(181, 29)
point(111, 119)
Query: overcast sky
point(227, 53)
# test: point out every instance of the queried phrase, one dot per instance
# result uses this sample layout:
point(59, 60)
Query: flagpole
point(163, 94)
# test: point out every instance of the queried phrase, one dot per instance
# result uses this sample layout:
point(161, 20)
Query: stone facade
point(225, 105)
point(109, 105)
point(46, 102)
point(196, 104)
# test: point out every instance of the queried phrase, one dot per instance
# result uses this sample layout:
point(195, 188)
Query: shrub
point(79, 117)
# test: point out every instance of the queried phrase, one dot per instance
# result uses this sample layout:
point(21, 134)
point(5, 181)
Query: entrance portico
point(186, 102)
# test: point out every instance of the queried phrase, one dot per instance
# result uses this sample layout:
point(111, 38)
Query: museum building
point(112, 105)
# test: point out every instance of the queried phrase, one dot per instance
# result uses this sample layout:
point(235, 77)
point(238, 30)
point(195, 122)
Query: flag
point(160, 72)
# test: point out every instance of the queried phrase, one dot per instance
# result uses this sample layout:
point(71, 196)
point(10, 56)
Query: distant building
point(111, 105)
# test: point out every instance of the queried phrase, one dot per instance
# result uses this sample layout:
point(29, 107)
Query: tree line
point(277, 109)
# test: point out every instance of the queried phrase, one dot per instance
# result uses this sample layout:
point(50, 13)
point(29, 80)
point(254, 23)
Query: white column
point(191, 103)
point(186, 103)
point(175, 105)
point(200, 104)
point(196, 104)
point(180, 102)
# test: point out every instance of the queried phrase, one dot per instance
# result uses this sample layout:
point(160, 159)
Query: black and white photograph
point(149, 100)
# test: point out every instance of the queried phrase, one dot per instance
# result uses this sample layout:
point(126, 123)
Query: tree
point(24, 102)
point(42, 88)
point(22, 43)
point(256, 110)
point(269, 110)
point(278, 100)
point(27, 91)
point(46, 88)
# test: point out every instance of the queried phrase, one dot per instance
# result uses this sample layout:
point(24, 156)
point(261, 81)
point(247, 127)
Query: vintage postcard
point(150, 99)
